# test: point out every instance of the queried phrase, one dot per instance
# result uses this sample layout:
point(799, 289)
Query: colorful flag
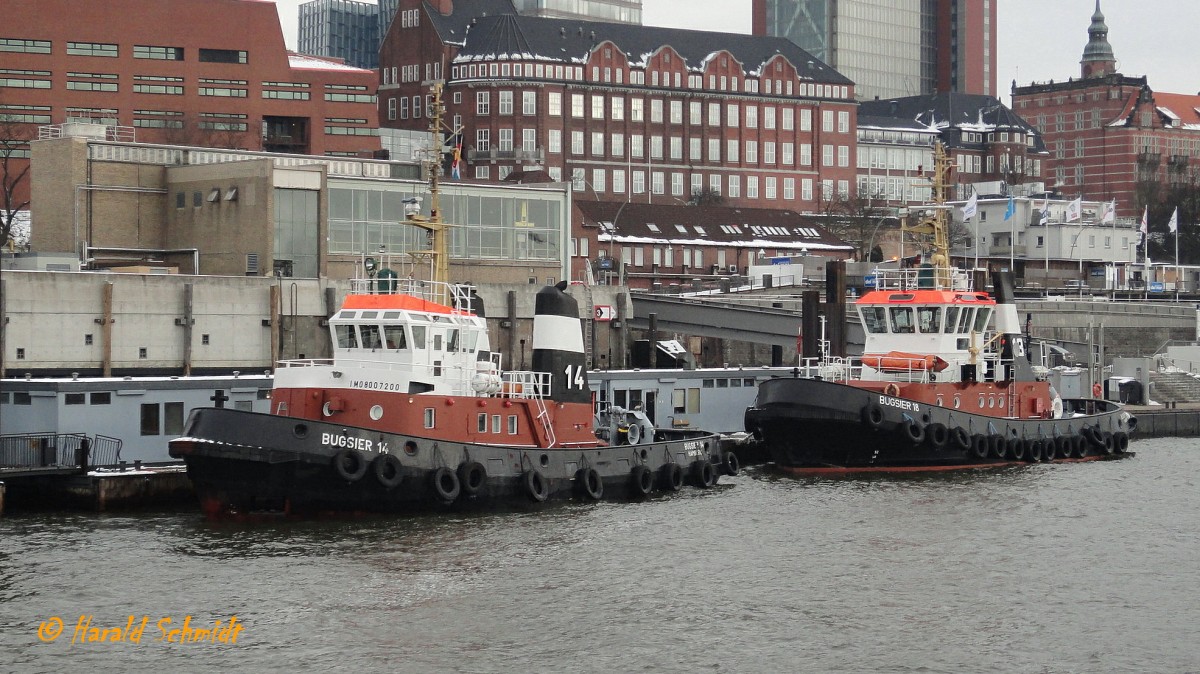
point(1045, 213)
point(455, 171)
point(1075, 209)
point(1173, 223)
point(1012, 208)
point(1109, 212)
point(1145, 229)
point(972, 206)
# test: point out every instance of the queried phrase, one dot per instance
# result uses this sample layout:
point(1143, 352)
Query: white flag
point(1173, 223)
point(1145, 222)
point(1045, 213)
point(972, 206)
point(1110, 212)
point(1075, 209)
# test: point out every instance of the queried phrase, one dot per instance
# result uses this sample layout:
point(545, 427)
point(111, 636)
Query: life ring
point(872, 415)
point(1056, 408)
point(634, 434)
point(937, 435)
point(445, 484)
point(892, 389)
point(979, 446)
point(350, 465)
point(589, 483)
point(997, 445)
point(671, 477)
point(1096, 390)
point(535, 485)
point(960, 438)
point(388, 470)
point(1120, 442)
point(703, 473)
point(1034, 451)
point(730, 465)
point(641, 480)
point(472, 476)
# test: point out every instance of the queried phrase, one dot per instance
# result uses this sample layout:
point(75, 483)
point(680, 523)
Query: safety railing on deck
point(58, 450)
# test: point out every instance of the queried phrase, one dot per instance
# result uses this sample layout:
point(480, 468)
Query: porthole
point(326, 409)
point(939, 401)
point(410, 448)
point(957, 401)
point(544, 460)
point(981, 401)
point(1000, 401)
point(300, 430)
point(376, 412)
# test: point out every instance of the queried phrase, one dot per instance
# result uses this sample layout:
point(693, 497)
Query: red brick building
point(629, 113)
point(212, 73)
point(1111, 136)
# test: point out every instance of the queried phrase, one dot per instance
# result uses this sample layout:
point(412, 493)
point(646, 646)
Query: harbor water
point(1089, 567)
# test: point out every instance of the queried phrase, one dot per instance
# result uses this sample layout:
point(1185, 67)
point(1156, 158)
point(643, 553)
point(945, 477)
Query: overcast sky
point(1040, 40)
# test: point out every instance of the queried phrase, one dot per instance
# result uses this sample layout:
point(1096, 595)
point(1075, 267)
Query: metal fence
point(58, 450)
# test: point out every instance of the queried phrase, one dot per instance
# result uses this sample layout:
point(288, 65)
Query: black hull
point(245, 464)
point(813, 426)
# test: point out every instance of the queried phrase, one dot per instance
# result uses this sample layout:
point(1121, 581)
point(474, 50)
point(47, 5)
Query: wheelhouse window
point(874, 319)
point(981, 319)
point(347, 337)
point(929, 319)
point(902, 319)
point(394, 337)
point(952, 319)
point(370, 336)
point(418, 333)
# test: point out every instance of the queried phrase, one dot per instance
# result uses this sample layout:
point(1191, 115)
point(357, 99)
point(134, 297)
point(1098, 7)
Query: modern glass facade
point(614, 11)
point(342, 29)
point(876, 43)
point(516, 224)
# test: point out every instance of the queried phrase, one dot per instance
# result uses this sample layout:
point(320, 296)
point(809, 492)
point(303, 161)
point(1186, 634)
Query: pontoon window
point(930, 319)
point(418, 333)
point(370, 336)
point(951, 319)
point(394, 336)
point(347, 338)
point(902, 320)
point(981, 319)
point(874, 319)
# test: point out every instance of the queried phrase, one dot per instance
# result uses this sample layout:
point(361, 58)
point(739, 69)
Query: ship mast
point(439, 249)
point(932, 229)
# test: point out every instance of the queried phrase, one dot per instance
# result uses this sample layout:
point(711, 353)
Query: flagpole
point(976, 242)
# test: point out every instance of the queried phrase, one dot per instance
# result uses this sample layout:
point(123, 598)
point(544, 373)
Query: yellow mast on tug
point(439, 249)
point(932, 229)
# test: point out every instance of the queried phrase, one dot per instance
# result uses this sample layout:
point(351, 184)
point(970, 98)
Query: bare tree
point(857, 220)
point(707, 196)
point(15, 135)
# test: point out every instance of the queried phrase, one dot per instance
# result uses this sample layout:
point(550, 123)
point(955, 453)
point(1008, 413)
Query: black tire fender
point(350, 465)
point(388, 470)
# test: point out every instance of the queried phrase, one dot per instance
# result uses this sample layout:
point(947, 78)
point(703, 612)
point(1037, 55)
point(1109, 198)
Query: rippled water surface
point(1068, 568)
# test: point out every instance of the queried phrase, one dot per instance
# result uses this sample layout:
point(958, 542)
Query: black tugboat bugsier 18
point(944, 383)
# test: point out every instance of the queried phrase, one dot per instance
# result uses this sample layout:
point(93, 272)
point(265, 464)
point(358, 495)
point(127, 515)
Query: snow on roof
point(755, 243)
point(1166, 112)
point(308, 62)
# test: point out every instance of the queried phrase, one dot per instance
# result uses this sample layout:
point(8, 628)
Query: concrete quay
point(1181, 420)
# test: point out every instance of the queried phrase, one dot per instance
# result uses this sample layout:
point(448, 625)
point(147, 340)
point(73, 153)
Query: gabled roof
point(452, 28)
point(966, 112)
point(1180, 107)
point(707, 226)
point(488, 36)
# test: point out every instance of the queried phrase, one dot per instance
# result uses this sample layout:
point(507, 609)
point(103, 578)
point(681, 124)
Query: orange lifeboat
point(899, 361)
